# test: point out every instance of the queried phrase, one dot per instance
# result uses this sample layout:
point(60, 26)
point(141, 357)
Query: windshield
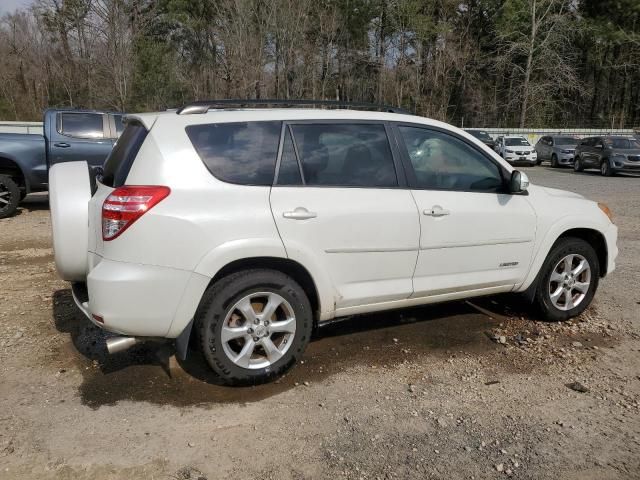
point(480, 134)
point(516, 142)
point(566, 141)
point(623, 143)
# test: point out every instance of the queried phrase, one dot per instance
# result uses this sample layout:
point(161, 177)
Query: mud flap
point(182, 342)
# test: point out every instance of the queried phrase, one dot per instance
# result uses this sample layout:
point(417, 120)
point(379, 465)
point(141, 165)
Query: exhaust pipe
point(120, 344)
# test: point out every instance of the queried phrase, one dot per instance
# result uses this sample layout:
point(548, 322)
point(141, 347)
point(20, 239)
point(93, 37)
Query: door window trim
point(401, 174)
point(411, 176)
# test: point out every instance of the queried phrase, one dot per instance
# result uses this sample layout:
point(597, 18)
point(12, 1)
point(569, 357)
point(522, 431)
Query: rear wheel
point(9, 196)
point(253, 326)
point(568, 281)
point(554, 161)
point(577, 165)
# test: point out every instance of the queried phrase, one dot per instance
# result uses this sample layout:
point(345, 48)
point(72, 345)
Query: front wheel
point(605, 168)
point(253, 326)
point(9, 196)
point(577, 165)
point(568, 279)
point(554, 161)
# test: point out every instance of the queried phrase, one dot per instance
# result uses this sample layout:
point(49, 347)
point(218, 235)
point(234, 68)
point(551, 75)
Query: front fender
point(554, 232)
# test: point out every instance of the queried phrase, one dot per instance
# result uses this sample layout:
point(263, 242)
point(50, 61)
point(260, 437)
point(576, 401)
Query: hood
point(618, 151)
point(555, 192)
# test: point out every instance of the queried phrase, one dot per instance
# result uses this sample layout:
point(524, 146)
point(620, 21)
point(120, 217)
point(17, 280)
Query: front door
point(80, 136)
point(473, 236)
point(339, 205)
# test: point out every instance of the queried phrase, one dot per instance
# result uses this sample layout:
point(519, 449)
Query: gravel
point(431, 392)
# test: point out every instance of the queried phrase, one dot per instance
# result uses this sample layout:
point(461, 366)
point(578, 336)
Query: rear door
point(474, 236)
point(80, 136)
point(340, 203)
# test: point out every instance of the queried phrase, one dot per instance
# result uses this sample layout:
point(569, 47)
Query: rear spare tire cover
point(69, 195)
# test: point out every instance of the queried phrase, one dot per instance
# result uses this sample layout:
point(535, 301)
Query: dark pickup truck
point(69, 135)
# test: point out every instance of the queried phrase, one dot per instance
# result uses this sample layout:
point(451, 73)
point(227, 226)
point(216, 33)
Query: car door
point(598, 152)
point(80, 136)
point(474, 236)
point(589, 152)
point(341, 205)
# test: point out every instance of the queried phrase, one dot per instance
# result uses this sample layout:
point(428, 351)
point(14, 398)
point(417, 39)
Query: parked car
point(609, 154)
point(516, 149)
point(558, 149)
point(249, 227)
point(483, 136)
point(69, 135)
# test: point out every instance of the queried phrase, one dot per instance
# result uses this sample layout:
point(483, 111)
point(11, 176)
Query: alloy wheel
point(569, 282)
point(258, 330)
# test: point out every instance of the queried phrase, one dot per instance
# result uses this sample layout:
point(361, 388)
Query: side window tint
point(243, 153)
point(349, 155)
point(82, 125)
point(289, 172)
point(441, 161)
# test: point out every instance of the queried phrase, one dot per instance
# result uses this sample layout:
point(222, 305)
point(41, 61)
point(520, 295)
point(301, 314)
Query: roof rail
point(203, 106)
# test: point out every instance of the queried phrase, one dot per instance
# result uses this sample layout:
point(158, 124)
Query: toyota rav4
point(249, 227)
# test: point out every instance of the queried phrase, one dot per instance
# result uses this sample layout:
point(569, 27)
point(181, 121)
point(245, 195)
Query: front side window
point(81, 125)
point(345, 155)
point(243, 153)
point(443, 162)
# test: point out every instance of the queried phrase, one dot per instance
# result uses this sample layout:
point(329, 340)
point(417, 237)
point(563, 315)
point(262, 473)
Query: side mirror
point(599, 147)
point(519, 182)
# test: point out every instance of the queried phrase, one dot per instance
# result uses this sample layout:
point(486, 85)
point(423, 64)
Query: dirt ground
point(428, 392)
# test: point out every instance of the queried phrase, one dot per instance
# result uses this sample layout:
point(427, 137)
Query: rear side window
point(81, 125)
point(345, 155)
point(243, 153)
point(120, 160)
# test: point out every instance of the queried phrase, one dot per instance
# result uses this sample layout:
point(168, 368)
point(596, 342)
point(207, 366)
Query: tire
point(9, 196)
point(577, 165)
point(561, 309)
point(554, 161)
point(605, 168)
point(220, 308)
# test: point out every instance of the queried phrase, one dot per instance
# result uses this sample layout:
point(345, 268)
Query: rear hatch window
point(119, 162)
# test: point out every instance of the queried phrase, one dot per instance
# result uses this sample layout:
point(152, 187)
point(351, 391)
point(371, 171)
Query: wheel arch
point(11, 168)
point(594, 238)
point(285, 265)
point(592, 235)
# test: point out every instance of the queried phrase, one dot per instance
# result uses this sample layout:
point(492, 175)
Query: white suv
point(255, 225)
point(516, 149)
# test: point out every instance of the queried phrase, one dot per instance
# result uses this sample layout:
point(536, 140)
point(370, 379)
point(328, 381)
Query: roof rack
point(203, 106)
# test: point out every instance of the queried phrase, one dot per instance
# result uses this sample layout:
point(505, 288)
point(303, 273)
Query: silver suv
point(557, 149)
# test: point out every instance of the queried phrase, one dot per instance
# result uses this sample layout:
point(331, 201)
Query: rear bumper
point(138, 300)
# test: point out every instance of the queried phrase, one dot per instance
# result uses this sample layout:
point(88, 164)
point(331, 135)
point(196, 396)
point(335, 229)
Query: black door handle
point(61, 145)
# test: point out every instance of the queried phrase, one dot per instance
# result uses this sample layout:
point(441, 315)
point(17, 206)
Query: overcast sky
point(7, 6)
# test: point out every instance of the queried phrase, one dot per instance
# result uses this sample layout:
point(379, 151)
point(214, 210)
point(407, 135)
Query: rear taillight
point(127, 204)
